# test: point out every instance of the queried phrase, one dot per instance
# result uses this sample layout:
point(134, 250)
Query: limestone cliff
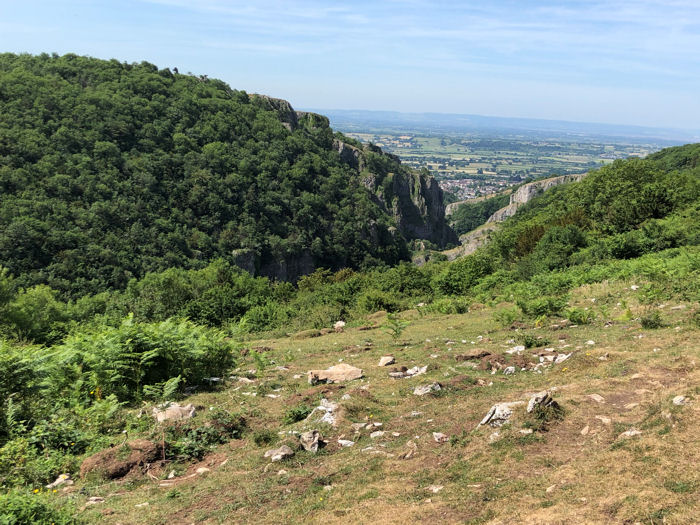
point(527, 192)
point(413, 199)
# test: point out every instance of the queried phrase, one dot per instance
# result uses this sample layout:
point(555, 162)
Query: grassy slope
point(558, 476)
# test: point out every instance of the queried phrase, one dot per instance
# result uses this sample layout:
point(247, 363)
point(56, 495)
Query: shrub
point(374, 300)
point(296, 413)
point(459, 277)
point(127, 360)
point(651, 320)
point(194, 439)
point(531, 341)
point(20, 508)
point(580, 316)
point(506, 316)
point(548, 305)
point(450, 305)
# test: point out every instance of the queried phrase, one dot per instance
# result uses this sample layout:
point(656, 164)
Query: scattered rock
point(590, 342)
point(94, 500)
point(282, 472)
point(439, 437)
point(585, 430)
point(116, 462)
point(500, 414)
point(426, 389)
point(597, 398)
point(341, 372)
point(345, 443)
point(680, 400)
point(508, 370)
point(604, 420)
point(202, 470)
point(526, 431)
point(173, 412)
point(550, 489)
point(630, 433)
point(516, 350)
point(339, 326)
point(434, 488)
point(309, 440)
point(141, 505)
point(386, 360)
point(377, 434)
point(408, 372)
point(562, 357)
point(63, 479)
point(328, 411)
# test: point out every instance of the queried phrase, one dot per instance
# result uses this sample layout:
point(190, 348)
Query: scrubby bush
point(459, 277)
point(296, 413)
point(580, 315)
point(192, 440)
point(548, 305)
point(450, 305)
point(20, 507)
point(125, 360)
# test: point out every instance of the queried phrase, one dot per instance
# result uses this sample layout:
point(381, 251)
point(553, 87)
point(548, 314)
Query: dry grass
point(556, 476)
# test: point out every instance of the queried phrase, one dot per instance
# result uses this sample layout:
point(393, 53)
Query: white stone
point(500, 414)
point(630, 433)
point(426, 389)
point(679, 400)
point(173, 412)
point(439, 437)
point(386, 360)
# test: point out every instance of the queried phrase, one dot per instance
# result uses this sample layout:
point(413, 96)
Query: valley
point(215, 308)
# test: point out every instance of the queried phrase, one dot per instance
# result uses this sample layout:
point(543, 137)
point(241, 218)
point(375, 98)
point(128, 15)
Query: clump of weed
point(580, 315)
point(651, 320)
point(506, 316)
point(264, 437)
point(543, 416)
point(531, 341)
point(297, 413)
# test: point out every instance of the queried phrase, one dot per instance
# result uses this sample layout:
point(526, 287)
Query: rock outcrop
point(527, 192)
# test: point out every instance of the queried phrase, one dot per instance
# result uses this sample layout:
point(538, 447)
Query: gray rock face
point(527, 192)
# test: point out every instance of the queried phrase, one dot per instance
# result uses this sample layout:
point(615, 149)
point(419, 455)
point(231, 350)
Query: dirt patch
point(312, 394)
point(117, 462)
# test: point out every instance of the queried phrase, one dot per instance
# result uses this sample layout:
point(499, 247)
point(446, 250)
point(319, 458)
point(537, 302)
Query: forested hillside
point(111, 170)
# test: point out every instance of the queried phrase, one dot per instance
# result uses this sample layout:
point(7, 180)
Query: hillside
point(169, 399)
point(111, 170)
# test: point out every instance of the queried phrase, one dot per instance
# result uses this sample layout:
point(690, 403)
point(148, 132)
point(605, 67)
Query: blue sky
point(616, 61)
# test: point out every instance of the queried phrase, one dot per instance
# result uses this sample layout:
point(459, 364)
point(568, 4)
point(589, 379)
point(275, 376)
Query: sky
point(616, 61)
